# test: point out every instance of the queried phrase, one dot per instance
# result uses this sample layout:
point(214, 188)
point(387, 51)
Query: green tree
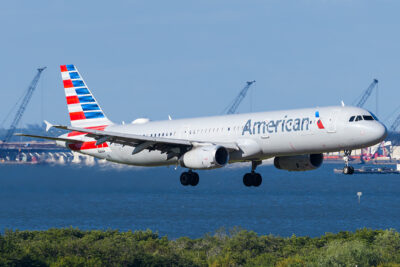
point(348, 253)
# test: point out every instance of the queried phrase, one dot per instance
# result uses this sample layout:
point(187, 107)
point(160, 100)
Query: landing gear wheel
point(252, 179)
point(348, 170)
point(185, 178)
point(257, 179)
point(248, 179)
point(351, 169)
point(189, 178)
point(194, 179)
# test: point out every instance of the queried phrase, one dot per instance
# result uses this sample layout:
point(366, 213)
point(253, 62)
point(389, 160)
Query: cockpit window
point(368, 118)
point(373, 115)
point(362, 117)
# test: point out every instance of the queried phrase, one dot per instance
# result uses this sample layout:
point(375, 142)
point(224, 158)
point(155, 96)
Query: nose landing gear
point(253, 178)
point(189, 178)
point(348, 170)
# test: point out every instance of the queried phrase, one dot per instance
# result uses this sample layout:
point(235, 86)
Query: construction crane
point(367, 93)
point(22, 107)
point(395, 124)
point(231, 109)
point(393, 135)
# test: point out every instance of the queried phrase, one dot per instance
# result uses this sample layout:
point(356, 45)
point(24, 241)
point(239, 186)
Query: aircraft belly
point(144, 158)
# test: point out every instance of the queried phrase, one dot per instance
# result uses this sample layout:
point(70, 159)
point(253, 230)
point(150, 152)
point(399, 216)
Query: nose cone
point(377, 133)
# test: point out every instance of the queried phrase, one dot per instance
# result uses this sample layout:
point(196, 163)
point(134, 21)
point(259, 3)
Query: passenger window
point(352, 118)
point(359, 118)
point(368, 118)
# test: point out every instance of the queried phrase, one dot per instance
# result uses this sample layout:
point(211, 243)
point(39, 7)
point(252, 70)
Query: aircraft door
point(331, 123)
point(184, 133)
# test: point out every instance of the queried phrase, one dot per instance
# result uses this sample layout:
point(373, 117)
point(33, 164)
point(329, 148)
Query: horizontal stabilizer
point(48, 125)
point(49, 137)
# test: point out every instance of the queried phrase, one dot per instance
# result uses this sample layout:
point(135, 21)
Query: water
point(305, 203)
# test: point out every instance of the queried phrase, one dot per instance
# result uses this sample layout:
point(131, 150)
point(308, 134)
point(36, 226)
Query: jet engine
point(299, 163)
point(205, 157)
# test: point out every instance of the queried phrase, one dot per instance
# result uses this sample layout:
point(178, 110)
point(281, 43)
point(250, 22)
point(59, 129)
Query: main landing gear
point(253, 178)
point(249, 179)
point(189, 178)
point(348, 170)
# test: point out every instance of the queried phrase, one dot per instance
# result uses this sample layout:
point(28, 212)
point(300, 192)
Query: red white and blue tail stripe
point(84, 111)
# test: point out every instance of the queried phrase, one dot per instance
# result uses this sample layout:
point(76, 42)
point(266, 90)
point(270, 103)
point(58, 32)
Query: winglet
point(48, 125)
point(343, 103)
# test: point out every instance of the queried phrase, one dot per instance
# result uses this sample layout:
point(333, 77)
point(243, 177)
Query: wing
point(140, 142)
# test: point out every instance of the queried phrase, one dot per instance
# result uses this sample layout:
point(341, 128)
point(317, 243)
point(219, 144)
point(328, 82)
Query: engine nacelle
point(299, 163)
point(205, 157)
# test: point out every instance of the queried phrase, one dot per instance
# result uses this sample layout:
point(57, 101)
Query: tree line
point(236, 247)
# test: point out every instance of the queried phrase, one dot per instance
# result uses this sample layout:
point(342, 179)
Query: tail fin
point(84, 111)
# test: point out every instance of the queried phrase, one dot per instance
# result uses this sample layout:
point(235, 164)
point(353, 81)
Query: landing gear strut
point(253, 178)
point(189, 178)
point(347, 169)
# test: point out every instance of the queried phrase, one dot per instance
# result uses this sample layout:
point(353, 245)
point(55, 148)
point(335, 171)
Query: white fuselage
point(258, 135)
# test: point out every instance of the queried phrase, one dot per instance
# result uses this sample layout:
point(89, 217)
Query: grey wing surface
point(141, 142)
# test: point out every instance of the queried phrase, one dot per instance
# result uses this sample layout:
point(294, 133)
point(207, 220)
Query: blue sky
point(191, 58)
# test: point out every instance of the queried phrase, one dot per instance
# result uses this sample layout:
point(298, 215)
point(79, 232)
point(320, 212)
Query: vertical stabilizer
point(84, 111)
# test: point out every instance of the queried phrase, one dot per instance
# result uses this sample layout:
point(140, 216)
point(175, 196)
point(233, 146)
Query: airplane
point(296, 139)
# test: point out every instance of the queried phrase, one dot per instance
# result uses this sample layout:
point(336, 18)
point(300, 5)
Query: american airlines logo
point(274, 126)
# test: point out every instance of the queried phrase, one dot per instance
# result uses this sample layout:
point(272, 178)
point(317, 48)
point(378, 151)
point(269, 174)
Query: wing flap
point(115, 137)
